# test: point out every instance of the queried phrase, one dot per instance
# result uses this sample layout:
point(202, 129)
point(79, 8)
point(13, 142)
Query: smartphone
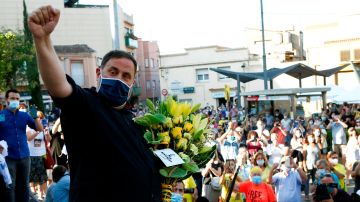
point(33, 111)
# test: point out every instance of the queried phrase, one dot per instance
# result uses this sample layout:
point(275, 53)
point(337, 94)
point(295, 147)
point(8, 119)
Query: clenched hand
point(43, 21)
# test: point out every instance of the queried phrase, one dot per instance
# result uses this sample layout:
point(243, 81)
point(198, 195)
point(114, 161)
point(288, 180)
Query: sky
point(180, 24)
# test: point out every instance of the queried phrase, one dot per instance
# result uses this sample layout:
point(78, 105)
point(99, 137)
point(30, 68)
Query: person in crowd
point(299, 125)
point(254, 143)
point(355, 174)
point(311, 153)
point(281, 133)
point(38, 176)
point(351, 152)
point(243, 162)
point(323, 167)
point(178, 191)
point(59, 190)
point(277, 115)
point(256, 189)
point(111, 123)
point(5, 178)
point(286, 122)
point(261, 161)
point(357, 126)
point(328, 191)
point(13, 130)
point(297, 147)
point(58, 143)
point(212, 171)
point(320, 139)
point(338, 168)
point(275, 151)
point(262, 132)
point(338, 134)
point(226, 180)
point(269, 120)
point(288, 181)
point(229, 142)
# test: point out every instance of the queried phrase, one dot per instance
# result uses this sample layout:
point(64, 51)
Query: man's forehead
point(12, 94)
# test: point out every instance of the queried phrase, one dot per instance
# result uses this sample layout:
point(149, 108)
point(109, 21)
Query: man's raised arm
point(42, 23)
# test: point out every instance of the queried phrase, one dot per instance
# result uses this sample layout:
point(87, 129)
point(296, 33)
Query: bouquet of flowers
point(177, 127)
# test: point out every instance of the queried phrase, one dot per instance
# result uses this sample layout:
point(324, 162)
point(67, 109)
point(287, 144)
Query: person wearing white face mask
point(288, 181)
point(261, 161)
point(320, 139)
point(13, 130)
point(311, 154)
point(337, 168)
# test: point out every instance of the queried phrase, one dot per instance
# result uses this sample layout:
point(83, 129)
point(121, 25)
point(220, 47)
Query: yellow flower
point(182, 144)
point(187, 136)
point(168, 123)
point(187, 127)
point(177, 120)
point(166, 140)
point(185, 109)
point(176, 132)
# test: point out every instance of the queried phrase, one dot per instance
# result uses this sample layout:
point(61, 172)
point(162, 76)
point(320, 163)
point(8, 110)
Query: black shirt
point(357, 178)
point(108, 157)
point(342, 196)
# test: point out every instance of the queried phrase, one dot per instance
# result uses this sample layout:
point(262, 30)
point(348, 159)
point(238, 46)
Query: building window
point(151, 60)
point(77, 72)
point(202, 74)
point(221, 76)
point(345, 55)
point(357, 54)
point(147, 63)
point(154, 84)
point(148, 85)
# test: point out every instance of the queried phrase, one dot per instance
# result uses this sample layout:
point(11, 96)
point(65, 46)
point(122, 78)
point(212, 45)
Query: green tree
point(12, 58)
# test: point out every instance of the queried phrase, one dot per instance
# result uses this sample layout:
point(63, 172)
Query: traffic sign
point(164, 92)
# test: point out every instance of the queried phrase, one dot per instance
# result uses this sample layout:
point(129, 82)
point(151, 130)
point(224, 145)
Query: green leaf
point(195, 108)
point(176, 173)
point(150, 104)
point(196, 121)
point(206, 149)
point(197, 134)
point(203, 124)
point(155, 118)
point(143, 121)
point(190, 167)
point(148, 136)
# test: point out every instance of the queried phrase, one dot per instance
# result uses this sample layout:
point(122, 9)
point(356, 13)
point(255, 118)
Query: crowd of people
point(317, 156)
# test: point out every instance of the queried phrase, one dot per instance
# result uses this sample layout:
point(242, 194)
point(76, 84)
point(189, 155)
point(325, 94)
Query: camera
point(189, 190)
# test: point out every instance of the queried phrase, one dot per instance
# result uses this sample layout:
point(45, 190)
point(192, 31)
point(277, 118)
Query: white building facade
point(188, 75)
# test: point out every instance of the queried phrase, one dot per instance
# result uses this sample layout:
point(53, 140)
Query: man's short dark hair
point(10, 91)
point(58, 172)
point(117, 54)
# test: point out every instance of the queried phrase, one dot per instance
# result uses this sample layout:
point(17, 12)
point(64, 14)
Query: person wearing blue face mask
point(97, 116)
point(178, 192)
point(331, 193)
point(13, 130)
point(256, 189)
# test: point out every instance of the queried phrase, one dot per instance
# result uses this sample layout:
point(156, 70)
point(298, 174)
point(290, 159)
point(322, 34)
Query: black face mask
point(115, 91)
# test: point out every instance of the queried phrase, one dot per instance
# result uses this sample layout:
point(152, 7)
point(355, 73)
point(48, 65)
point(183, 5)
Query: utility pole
point(263, 42)
point(116, 24)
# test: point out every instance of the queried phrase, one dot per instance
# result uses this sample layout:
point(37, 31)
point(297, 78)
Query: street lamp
point(263, 42)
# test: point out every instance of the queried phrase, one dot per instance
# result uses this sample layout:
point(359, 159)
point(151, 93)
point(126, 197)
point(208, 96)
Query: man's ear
point(98, 72)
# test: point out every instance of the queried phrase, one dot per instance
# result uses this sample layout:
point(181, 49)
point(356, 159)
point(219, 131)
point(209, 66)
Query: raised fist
point(43, 21)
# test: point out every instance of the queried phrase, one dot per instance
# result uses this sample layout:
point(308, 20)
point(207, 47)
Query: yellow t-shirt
point(189, 183)
point(341, 169)
point(235, 196)
point(265, 174)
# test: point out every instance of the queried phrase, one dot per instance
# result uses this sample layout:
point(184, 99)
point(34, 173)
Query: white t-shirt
point(37, 145)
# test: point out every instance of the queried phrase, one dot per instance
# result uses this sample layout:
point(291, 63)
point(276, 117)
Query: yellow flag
point(227, 92)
